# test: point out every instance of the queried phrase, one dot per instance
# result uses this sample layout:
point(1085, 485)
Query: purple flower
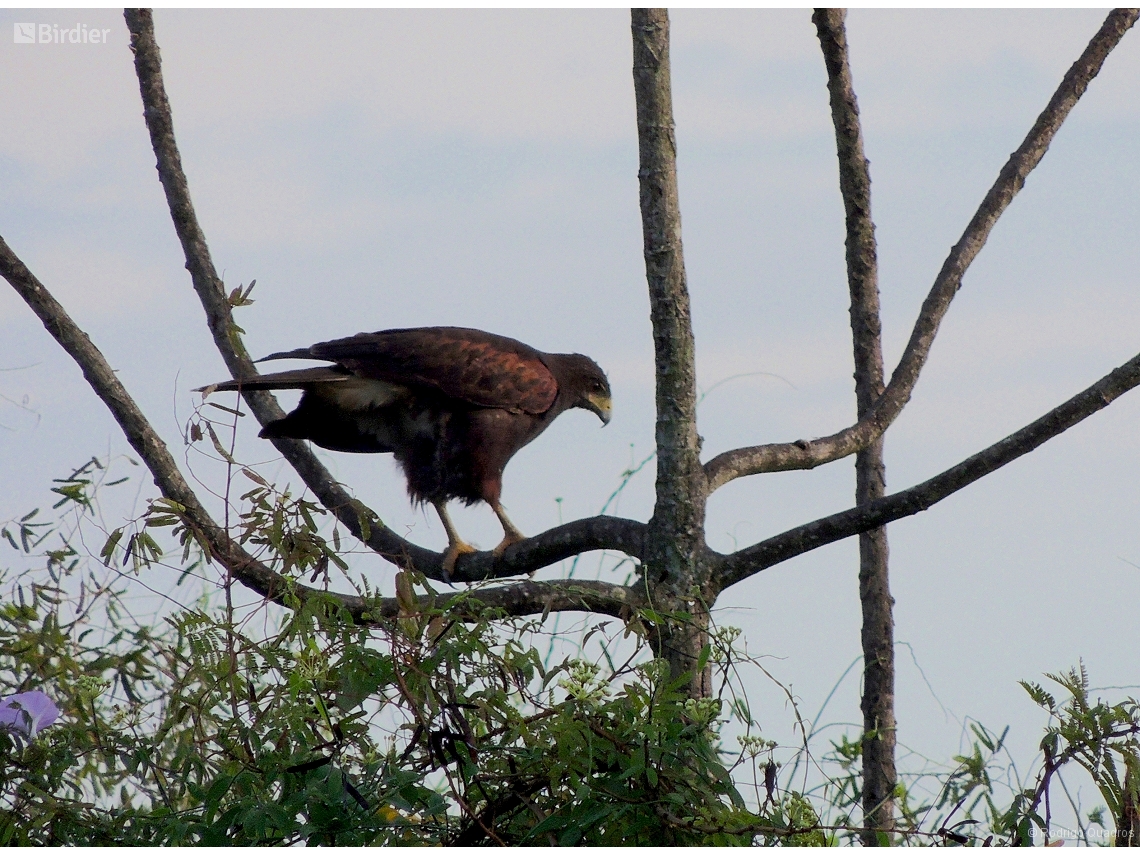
point(27, 713)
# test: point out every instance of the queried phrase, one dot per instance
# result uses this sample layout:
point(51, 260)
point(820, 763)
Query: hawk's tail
point(302, 378)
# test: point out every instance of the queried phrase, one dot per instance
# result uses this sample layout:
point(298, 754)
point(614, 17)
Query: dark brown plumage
point(453, 405)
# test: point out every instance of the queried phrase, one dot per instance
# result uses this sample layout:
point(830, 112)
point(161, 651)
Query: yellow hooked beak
point(601, 405)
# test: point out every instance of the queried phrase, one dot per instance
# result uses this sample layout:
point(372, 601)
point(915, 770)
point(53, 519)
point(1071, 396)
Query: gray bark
point(878, 634)
point(675, 544)
point(879, 774)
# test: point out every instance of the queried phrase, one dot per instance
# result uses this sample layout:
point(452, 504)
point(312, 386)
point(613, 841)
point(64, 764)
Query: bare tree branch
point(879, 773)
point(675, 552)
point(679, 472)
point(855, 188)
point(211, 291)
point(518, 599)
point(526, 557)
point(767, 553)
point(804, 454)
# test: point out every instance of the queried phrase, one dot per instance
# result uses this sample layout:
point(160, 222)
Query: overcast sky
point(377, 169)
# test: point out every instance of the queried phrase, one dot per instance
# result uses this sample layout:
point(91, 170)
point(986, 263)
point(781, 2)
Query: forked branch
point(767, 553)
point(805, 454)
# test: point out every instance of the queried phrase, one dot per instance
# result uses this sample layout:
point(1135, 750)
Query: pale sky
point(375, 169)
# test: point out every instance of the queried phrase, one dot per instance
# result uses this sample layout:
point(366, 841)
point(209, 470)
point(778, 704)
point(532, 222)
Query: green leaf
point(703, 659)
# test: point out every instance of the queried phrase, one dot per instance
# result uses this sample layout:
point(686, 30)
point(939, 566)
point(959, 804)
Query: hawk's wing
point(473, 366)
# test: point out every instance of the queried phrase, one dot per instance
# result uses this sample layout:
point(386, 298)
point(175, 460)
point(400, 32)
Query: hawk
point(452, 405)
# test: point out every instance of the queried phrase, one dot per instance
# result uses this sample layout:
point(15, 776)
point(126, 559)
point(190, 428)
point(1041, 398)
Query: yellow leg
point(511, 535)
point(456, 546)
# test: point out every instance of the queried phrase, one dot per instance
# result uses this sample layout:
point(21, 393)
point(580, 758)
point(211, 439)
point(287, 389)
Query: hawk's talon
point(510, 538)
point(452, 555)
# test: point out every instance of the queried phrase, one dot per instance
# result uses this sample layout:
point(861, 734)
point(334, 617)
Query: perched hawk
point(453, 405)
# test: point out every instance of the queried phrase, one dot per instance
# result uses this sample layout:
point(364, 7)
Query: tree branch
point(522, 598)
point(751, 560)
point(676, 555)
point(526, 557)
point(855, 188)
point(804, 454)
point(680, 477)
point(150, 447)
point(879, 774)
